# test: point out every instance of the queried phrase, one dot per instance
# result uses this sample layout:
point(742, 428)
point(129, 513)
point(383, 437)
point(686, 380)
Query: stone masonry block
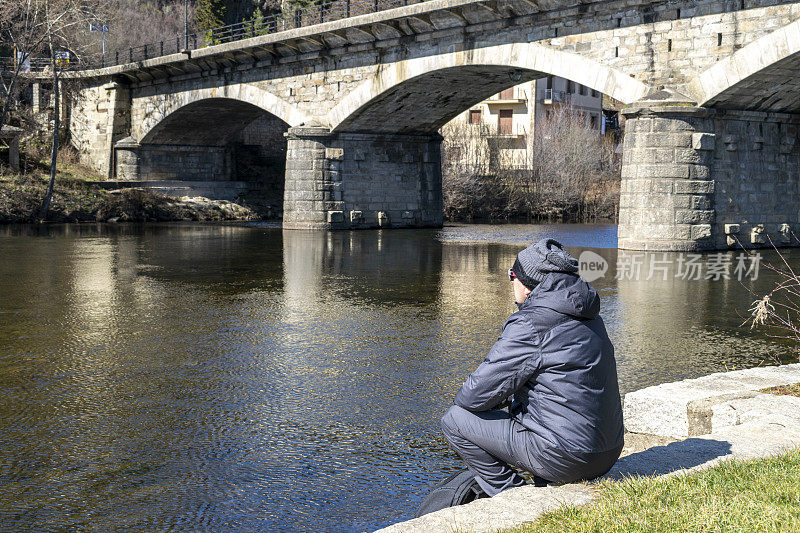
point(703, 141)
point(701, 231)
point(694, 187)
point(691, 216)
point(665, 140)
point(732, 229)
point(688, 155)
point(663, 171)
point(701, 202)
point(758, 235)
point(334, 154)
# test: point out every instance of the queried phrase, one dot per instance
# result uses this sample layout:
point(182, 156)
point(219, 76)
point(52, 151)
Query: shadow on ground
point(669, 458)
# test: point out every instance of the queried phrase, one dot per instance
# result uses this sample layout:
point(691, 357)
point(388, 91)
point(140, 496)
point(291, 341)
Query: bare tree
point(49, 29)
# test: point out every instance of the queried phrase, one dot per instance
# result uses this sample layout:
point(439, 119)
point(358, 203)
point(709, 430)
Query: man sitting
point(555, 361)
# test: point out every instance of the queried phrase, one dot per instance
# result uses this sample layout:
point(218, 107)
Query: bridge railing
point(298, 18)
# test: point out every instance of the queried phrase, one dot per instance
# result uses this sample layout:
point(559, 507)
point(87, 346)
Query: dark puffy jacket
point(554, 356)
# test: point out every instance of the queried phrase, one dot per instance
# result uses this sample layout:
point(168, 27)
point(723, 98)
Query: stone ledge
point(765, 425)
point(687, 408)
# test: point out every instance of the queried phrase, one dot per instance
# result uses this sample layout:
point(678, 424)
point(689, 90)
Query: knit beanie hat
point(537, 260)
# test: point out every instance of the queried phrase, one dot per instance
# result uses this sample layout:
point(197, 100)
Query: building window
point(474, 116)
point(581, 90)
point(594, 93)
point(508, 94)
point(505, 122)
point(593, 122)
point(549, 83)
point(570, 87)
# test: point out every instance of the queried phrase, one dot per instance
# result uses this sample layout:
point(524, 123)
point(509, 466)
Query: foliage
point(291, 5)
point(132, 23)
point(210, 14)
point(568, 171)
point(756, 495)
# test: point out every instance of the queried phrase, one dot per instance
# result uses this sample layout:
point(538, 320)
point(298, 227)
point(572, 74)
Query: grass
point(788, 390)
point(758, 495)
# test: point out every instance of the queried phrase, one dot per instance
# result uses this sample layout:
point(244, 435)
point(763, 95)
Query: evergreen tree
point(210, 14)
point(259, 25)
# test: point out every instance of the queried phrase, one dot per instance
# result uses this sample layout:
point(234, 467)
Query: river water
point(241, 378)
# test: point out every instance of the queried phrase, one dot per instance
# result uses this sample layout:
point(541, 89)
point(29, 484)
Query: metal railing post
point(145, 51)
point(298, 18)
point(253, 28)
point(348, 8)
point(376, 6)
point(116, 57)
point(162, 48)
point(130, 54)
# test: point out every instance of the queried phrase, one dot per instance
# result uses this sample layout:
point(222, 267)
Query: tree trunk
point(48, 195)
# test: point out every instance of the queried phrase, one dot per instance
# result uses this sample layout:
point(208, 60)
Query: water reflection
point(234, 378)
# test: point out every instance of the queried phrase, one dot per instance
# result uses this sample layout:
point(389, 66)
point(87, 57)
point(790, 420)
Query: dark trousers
point(490, 442)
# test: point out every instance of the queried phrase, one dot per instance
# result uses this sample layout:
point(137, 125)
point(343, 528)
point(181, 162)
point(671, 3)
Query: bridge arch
point(760, 76)
point(243, 102)
point(399, 97)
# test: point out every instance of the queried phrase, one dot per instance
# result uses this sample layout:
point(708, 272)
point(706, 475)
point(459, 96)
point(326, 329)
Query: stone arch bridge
point(711, 152)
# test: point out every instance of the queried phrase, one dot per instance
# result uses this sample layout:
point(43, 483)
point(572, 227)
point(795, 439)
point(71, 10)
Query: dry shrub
point(136, 205)
point(779, 310)
point(568, 171)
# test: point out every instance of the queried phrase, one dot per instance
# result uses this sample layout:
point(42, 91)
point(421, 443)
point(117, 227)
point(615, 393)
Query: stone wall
point(259, 152)
point(362, 180)
point(696, 179)
point(189, 163)
point(756, 173)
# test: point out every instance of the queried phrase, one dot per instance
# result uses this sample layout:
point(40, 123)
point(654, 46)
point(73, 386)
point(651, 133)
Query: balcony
point(552, 96)
point(502, 133)
point(508, 99)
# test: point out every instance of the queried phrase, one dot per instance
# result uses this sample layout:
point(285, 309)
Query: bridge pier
point(361, 180)
point(704, 179)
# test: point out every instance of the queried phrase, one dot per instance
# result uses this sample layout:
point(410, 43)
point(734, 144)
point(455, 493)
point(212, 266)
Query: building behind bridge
point(505, 124)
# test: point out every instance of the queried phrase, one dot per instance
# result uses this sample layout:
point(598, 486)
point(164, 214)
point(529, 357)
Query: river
point(241, 378)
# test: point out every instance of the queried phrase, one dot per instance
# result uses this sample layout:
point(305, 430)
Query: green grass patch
point(788, 390)
point(758, 495)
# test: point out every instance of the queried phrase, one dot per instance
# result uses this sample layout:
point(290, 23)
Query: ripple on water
point(212, 378)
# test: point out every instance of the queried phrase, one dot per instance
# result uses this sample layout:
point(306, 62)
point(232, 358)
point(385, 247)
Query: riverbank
point(755, 495)
point(695, 428)
point(80, 200)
